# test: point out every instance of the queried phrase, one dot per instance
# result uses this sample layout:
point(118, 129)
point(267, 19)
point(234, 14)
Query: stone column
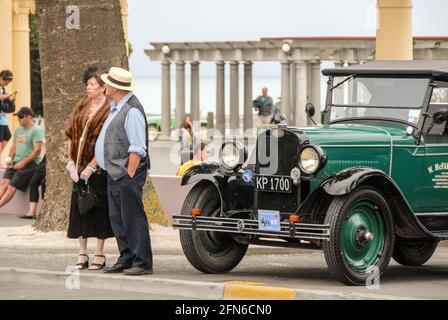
point(315, 77)
point(234, 95)
point(180, 92)
point(21, 55)
point(194, 105)
point(6, 27)
point(220, 97)
point(248, 114)
point(302, 92)
point(350, 93)
point(293, 92)
point(394, 30)
point(338, 93)
point(166, 100)
point(286, 84)
point(124, 19)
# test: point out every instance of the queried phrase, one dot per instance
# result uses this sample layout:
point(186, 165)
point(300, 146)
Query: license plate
point(273, 183)
point(269, 220)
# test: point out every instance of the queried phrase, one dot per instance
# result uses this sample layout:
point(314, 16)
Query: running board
point(441, 235)
point(250, 227)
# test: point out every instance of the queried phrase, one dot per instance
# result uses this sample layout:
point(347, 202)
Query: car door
point(434, 196)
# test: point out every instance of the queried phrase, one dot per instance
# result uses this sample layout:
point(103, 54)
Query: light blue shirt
point(3, 117)
point(134, 126)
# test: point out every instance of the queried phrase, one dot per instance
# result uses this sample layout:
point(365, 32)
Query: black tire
point(414, 252)
point(209, 251)
point(341, 216)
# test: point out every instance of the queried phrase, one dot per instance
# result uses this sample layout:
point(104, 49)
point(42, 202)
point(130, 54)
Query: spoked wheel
point(361, 236)
point(209, 251)
point(414, 252)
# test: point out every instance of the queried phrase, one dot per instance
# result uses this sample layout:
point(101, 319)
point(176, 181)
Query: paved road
point(303, 269)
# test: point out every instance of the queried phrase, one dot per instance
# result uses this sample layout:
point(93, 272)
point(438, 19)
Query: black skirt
point(96, 224)
point(5, 134)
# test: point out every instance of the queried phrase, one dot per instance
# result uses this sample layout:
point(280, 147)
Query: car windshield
point(367, 97)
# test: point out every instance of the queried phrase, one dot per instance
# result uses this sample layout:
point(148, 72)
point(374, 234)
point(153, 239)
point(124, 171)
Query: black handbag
point(8, 106)
point(87, 199)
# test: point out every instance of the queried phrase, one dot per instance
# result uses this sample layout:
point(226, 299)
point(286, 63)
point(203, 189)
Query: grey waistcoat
point(116, 143)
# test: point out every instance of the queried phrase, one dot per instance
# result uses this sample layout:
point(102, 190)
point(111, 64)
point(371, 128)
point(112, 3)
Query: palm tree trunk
point(65, 53)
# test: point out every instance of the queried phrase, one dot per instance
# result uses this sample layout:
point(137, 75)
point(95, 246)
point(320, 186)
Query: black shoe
point(27, 217)
point(138, 271)
point(82, 265)
point(116, 268)
point(98, 266)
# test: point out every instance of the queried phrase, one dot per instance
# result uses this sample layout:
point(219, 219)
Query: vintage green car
point(369, 184)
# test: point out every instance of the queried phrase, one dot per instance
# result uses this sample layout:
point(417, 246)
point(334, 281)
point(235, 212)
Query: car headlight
point(312, 159)
point(233, 155)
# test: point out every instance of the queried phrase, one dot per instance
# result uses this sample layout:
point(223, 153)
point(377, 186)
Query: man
point(25, 155)
point(264, 105)
point(122, 150)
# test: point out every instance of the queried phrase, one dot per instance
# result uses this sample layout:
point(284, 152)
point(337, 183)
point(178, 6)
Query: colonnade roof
point(301, 48)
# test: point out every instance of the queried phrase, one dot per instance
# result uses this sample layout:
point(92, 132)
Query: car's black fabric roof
point(435, 68)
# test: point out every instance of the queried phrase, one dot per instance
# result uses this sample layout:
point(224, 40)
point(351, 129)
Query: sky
point(236, 20)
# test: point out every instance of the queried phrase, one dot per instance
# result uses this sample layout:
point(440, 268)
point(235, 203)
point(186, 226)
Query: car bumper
point(250, 227)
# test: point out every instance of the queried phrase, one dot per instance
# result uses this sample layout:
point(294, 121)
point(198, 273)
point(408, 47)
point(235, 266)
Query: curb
point(148, 284)
point(232, 290)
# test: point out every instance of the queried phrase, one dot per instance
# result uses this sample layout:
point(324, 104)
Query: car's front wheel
point(414, 252)
point(209, 251)
point(361, 236)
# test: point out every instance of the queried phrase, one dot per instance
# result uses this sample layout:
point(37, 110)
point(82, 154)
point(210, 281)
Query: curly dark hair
point(94, 72)
point(6, 75)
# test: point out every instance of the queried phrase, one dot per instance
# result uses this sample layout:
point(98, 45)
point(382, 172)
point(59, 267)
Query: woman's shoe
point(83, 265)
point(98, 266)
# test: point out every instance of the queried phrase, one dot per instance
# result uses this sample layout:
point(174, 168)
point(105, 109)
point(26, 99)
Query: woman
point(6, 77)
point(186, 136)
point(83, 128)
point(38, 180)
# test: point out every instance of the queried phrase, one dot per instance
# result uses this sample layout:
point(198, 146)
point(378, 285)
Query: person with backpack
point(7, 105)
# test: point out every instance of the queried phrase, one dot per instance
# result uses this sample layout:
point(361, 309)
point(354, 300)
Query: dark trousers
point(38, 180)
point(128, 219)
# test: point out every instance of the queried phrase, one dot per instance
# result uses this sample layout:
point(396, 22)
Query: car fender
point(234, 193)
point(347, 180)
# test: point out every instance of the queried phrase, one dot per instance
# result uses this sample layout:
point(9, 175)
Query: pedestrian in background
point(24, 154)
point(264, 105)
point(186, 139)
point(37, 181)
point(201, 154)
point(6, 100)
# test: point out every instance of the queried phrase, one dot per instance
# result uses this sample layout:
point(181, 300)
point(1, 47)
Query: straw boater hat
point(118, 78)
